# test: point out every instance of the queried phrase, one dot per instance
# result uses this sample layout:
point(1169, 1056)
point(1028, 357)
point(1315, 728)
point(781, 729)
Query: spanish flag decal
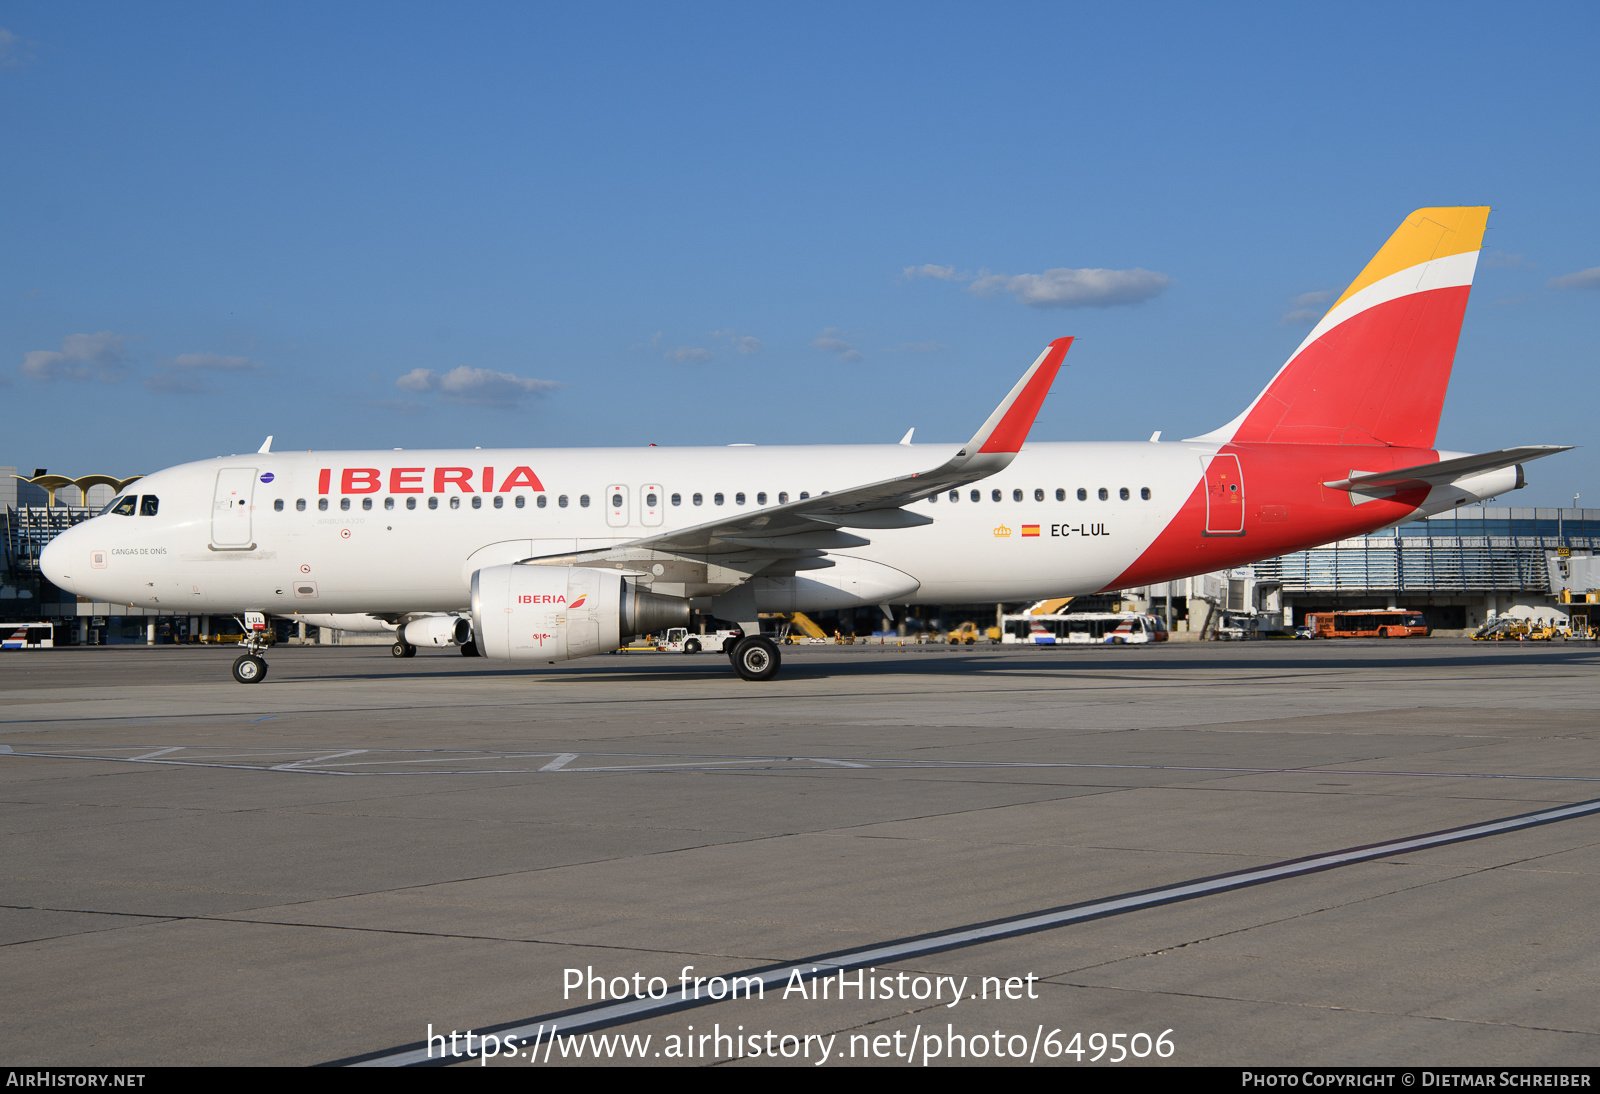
point(1030, 529)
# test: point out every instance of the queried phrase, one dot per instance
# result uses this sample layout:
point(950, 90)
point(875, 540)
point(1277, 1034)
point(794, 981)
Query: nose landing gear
point(251, 667)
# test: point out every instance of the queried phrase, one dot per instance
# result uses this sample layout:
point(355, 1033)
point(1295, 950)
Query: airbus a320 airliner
point(551, 554)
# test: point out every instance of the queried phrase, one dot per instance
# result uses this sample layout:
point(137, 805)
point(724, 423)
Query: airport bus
point(26, 636)
point(1084, 628)
point(1368, 623)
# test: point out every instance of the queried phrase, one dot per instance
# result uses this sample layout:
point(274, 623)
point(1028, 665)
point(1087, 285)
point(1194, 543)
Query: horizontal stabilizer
point(1445, 471)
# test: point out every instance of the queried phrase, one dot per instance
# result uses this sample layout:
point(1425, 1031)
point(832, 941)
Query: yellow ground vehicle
point(968, 633)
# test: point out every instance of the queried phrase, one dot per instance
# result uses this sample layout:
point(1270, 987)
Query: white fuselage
point(398, 532)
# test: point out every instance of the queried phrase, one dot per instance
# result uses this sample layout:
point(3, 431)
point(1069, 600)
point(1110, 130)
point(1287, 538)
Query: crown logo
point(1001, 531)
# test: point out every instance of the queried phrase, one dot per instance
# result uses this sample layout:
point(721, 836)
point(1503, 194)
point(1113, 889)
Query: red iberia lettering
point(522, 476)
point(527, 598)
point(405, 480)
point(322, 480)
point(461, 476)
point(488, 479)
point(361, 480)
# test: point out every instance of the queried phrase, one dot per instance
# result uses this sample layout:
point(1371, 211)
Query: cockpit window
point(122, 506)
point(148, 505)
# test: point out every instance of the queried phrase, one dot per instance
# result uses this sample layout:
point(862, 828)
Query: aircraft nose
point(54, 561)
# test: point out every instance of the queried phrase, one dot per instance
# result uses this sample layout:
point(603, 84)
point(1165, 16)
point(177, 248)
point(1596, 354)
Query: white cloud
point(1067, 288)
point(418, 379)
point(1306, 309)
point(475, 386)
point(81, 357)
point(829, 342)
point(688, 353)
point(741, 342)
point(183, 375)
point(938, 273)
point(1058, 288)
point(13, 50)
point(1583, 279)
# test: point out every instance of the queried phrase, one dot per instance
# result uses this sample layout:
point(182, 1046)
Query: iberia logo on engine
point(557, 599)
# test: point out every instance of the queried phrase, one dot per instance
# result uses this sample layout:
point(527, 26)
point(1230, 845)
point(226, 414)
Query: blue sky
point(454, 225)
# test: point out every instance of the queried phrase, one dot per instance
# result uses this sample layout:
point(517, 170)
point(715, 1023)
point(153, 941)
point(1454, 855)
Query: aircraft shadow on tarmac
point(918, 663)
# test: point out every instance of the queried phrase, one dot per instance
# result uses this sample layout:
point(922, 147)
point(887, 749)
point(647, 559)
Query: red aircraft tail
point(1375, 369)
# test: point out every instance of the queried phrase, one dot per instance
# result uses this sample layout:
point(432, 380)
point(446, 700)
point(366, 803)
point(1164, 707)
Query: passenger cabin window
point(344, 504)
point(677, 499)
point(1038, 495)
point(366, 504)
point(124, 507)
point(1061, 495)
point(299, 505)
point(1144, 493)
point(388, 503)
point(1083, 495)
point(994, 495)
point(583, 500)
point(804, 496)
point(1104, 494)
point(783, 497)
point(761, 498)
point(616, 501)
point(1123, 493)
point(411, 503)
point(650, 499)
point(499, 501)
point(738, 499)
point(562, 501)
point(455, 501)
point(322, 505)
point(433, 502)
point(543, 500)
point(977, 495)
point(277, 505)
point(150, 503)
point(955, 495)
point(477, 501)
point(716, 499)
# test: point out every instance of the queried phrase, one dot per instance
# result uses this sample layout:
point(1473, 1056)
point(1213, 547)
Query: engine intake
point(556, 613)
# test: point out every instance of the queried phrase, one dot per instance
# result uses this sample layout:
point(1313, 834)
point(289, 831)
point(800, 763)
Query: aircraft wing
point(806, 529)
point(1445, 471)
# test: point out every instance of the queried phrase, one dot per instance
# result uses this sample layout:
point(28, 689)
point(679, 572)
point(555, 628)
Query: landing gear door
point(1224, 495)
point(231, 507)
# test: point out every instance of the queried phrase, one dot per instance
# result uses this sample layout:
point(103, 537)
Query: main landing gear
point(755, 658)
point(402, 648)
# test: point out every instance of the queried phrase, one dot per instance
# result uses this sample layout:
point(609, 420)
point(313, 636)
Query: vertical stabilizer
point(1374, 371)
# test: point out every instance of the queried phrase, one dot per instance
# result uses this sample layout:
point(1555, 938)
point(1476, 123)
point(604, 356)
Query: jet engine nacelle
point(556, 613)
point(438, 630)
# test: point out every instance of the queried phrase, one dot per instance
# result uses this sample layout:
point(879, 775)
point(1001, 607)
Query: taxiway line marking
point(604, 1015)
